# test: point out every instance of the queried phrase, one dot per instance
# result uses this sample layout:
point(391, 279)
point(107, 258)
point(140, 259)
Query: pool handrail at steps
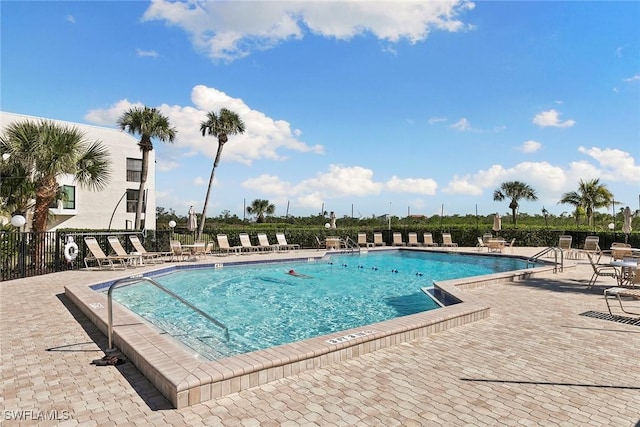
point(133, 279)
point(545, 251)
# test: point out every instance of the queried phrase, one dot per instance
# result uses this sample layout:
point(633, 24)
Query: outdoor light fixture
point(172, 224)
point(611, 226)
point(18, 221)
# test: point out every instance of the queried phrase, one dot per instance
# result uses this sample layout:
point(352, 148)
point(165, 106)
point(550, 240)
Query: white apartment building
point(114, 207)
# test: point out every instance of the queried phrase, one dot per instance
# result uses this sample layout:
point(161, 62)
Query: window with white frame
point(134, 170)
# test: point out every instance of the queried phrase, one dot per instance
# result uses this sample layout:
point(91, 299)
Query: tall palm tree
point(148, 123)
point(42, 151)
point(260, 207)
point(590, 195)
point(220, 125)
point(514, 190)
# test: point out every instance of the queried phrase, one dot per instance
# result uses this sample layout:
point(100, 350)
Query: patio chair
point(427, 240)
point(282, 242)
point(486, 237)
point(413, 240)
point(601, 270)
point(447, 242)
point(564, 244)
point(377, 239)
point(153, 256)
point(397, 240)
point(177, 253)
point(100, 257)
point(481, 244)
point(225, 248)
point(511, 244)
point(263, 240)
point(132, 259)
point(199, 248)
point(619, 251)
point(321, 243)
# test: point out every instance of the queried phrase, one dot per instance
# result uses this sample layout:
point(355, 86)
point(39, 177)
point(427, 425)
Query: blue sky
point(363, 107)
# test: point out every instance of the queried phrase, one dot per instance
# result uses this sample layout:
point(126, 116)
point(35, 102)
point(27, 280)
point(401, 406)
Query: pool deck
point(548, 354)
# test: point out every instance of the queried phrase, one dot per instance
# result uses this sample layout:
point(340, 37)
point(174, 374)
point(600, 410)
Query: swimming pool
point(263, 307)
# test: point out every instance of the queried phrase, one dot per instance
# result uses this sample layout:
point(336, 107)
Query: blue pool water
point(262, 306)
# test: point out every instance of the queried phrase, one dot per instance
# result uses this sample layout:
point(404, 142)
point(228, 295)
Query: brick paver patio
point(542, 358)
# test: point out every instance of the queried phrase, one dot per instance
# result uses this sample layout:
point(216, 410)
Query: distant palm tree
point(514, 190)
point(220, 125)
point(148, 123)
point(259, 208)
point(590, 195)
point(40, 152)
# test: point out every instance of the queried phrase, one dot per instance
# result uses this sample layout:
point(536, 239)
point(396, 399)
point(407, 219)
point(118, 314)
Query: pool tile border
point(185, 378)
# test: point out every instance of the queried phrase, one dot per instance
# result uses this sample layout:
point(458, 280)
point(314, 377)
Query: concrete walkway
point(542, 358)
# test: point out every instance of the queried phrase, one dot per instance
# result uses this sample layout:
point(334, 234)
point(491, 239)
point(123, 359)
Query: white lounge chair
point(447, 242)
point(98, 255)
point(377, 239)
point(225, 248)
point(413, 240)
point(397, 240)
point(362, 240)
point(263, 240)
point(282, 242)
point(427, 240)
point(153, 256)
point(247, 246)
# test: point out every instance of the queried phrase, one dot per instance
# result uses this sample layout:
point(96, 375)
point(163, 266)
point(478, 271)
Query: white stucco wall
point(94, 209)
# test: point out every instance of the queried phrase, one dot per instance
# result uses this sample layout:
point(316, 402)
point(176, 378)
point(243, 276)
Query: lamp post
point(172, 225)
point(19, 221)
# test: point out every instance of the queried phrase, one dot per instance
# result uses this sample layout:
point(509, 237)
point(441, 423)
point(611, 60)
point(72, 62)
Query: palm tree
point(148, 123)
point(590, 195)
point(515, 190)
point(259, 208)
point(220, 125)
point(42, 151)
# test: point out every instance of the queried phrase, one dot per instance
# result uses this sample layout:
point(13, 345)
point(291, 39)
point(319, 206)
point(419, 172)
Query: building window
point(67, 196)
point(134, 170)
point(132, 201)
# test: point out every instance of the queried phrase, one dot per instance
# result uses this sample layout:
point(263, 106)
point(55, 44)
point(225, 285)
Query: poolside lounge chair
point(177, 253)
point(263, 240)
point(447, 242)
point(377, 239)
point(631, 291)
point(282, 242)
point(601, 270)
point(225, 248)
point(481, 244)
point(397, 240)
point(362, 240)
point(413, 240)
point(132, 259)
point(427, 240)
point(97, 255)
point(153, 256)
point(564, 244)
point(247, 246)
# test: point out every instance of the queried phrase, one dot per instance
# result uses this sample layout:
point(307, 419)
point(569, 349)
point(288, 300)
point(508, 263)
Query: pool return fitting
point(134, 279)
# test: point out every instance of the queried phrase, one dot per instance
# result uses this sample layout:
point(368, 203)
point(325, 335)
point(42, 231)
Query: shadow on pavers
point(147, 391)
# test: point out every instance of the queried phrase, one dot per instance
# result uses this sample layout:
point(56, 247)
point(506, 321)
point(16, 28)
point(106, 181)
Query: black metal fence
point(33, 254)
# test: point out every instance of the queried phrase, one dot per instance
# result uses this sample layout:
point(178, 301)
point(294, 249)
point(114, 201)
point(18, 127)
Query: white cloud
point(530, 146)
point(462, 125)
point(200, 181)
point(411, 185)
point(551, 118)
point(70, 18)
point(634, 78)
point(230, 30)
point(163, 165)
point(616, 165)
point(109, 116)
point(312, 191)
point(434, 120)
point(264, 137)
point(150, 53)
